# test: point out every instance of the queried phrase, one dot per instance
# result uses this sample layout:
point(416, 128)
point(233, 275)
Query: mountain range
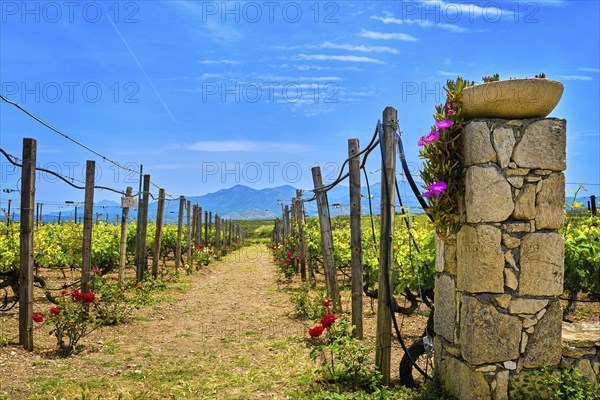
point(238, 202)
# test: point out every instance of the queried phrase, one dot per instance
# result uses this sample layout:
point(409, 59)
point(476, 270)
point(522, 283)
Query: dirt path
point(227, 337)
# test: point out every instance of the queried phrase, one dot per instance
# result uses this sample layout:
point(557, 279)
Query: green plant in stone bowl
point(442, 170)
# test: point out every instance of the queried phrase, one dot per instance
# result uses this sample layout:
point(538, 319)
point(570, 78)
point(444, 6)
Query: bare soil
point(227, 335)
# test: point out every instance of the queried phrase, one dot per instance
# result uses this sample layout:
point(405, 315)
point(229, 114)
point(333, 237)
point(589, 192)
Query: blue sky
point(207, 95)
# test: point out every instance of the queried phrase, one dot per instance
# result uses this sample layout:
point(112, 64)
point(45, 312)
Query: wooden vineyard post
point(293, 226)
point(26, 244)
point(199, 227)
point(158, 235)
point(194, 224)
point(593, 205)
point(88, 224)
point(140, 260)
point(356, 238)
point(206, 228)
point(179, 233)
point(189, 234)
point(301, 239)
point(276, 237)
point(230, 233)
point(8, 221)
point(326, 241)
point(217, 232)
point(386, 256)
point(286, 224)
point(123, 247)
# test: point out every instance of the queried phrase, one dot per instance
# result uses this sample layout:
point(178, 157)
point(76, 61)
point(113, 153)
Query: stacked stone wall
point(499, 279)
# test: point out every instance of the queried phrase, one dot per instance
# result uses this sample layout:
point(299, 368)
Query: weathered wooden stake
point(88, 224)
point(194, 222)
point(286, 223)
point(26, 244)
point(217, 232)
point(199, 227)
point(123, 247)
point(356, 238)
point(143, 221)
point(158, 235)
point(302, 244)
point(179, 232)
point(383, 349)
point(189, 233)
point(206, 228)
point(326, 241)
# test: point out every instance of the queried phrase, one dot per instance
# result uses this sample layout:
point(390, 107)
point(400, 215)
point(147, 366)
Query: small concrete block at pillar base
point(480, 259)
point(542, 258)
point(486, 335)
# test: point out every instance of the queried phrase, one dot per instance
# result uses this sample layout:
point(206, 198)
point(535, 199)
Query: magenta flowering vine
point(442, 169)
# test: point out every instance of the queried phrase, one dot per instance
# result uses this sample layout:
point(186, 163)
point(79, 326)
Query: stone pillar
point(498, 281)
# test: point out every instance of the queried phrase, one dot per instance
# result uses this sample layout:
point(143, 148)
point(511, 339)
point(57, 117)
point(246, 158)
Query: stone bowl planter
point(511, 99)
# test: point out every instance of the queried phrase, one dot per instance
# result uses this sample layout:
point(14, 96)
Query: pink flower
point(420, 142)
point(435, 189)
point(451, 112)
point(444, 124)
point(288, 253)
point(97, 271)
point(298, 259)
point(431, 137)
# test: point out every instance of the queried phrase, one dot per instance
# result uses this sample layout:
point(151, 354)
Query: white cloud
point(597, 70)
point(360, 48)
point(450, 74)
point(210, 62)
point(321, 68)
point(275, 78)
point(387, 36)
point(248, 146)
point(576, 77)
point(337, 46)
point(422, 23)
point(326, 57)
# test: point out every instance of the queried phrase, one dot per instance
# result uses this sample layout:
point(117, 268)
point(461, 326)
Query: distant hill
point(237, 202)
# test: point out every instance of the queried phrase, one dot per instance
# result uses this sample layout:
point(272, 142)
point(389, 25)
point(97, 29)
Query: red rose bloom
point(38, 317)
point(55, 311)
point(63, 292)
point(326, 303)
point(316, 331)
point(199, 246)
point(298, 259)
point(88, 297)
point(288, 253)
point(76, 295)
point(328, 320)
